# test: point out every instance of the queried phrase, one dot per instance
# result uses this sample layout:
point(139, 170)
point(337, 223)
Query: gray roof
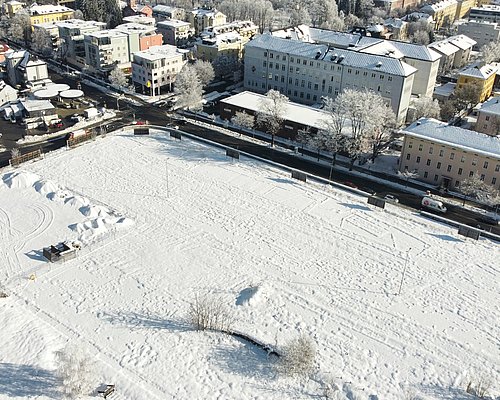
point(478, 71)
point(416, 51)
point(164, 9)
point(492, 106)
point(440, 132)
point(377, 63)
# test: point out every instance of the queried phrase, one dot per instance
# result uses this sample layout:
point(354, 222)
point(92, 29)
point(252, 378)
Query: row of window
point(438, 165)
point(457, 182)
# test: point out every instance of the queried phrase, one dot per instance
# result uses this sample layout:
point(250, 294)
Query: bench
point(110, 389)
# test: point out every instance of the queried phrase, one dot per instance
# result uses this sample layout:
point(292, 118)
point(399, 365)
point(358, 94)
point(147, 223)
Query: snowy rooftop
point(48, 9)
point(462, 41)
point(477, 71)
point(441, 5)
point(173, 22)
point(160, 8)
point(107, 33)
point(132, 27)
point(159, 52)
point(441, 132)
point(445, 90)
point(140, 19)
point(79, 23)
point(340, 56)
point(445, 47)
point(492, 106)
point(37, 105)
point(205, 12)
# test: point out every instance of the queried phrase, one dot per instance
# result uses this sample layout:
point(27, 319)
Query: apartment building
point(107, 49)
point(204, 18)
point(464, 6)
point(455, 51)
point(443, 12)
point(12, 7)
point(229, 44)
point(49, 13)
point(140, 19)
point(175, 32)
point(424, 59)
point(140, 37)
point(157, 67)
point(50, 29)
point(488, 118)
point(162, 13)
point(306, 72)
point(482, 32)
point(481, 76)
point(487, 12)
point(445, 155)
point(71, 37)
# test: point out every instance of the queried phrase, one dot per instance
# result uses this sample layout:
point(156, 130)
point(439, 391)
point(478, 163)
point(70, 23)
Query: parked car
point(56, 124)
point(138, 123)
point(432, 204)
point(76, 118)
point(391, 198)
point(350, 184)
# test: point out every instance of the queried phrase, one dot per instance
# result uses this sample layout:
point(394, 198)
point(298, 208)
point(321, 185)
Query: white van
point(431, 204)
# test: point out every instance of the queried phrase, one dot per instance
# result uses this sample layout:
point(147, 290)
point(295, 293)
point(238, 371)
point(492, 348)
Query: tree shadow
point(445, 393)
point(27, 381)
point(356, 206)
point(247, 360)
point(145, 320)
point(448, 238)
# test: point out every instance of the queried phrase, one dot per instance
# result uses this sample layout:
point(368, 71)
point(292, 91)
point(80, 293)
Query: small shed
point(59, 252)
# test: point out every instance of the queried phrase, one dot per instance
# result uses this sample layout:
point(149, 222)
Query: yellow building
point(482, 77)
point(229, 45)
point(203, 18)
point(12, 7)
point(463, 7)
point(49, 13)
point(443, 13)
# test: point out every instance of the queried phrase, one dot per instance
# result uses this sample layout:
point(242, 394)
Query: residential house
point(71, 37)
point(397, 27)
point(482, 32)
point(306, 72)
point(7, 93)
point(464, 6)
point(162, 13)
point(107, 49)
point(486, 12)
point(443, 12)
point(157, 67)
point(488, 117)
point(246, 29)
point(140, 37)
point(12, 7)
point(25, 70)
point(203, 18)
point(445, 155)
point(229, 45)
point(175, 32)
point(481, 76)
point(455, 51)
point(49, 13)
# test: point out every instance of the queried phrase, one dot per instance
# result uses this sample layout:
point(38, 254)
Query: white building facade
point(107, 49)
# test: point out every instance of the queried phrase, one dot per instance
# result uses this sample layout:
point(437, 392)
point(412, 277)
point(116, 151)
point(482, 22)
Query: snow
point(162, 221)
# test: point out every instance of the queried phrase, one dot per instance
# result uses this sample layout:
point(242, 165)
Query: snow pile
point(93, 211)
point(23, 179)
point(59, 196)
point(252, 296)
point(78, 202)
point(46, 187)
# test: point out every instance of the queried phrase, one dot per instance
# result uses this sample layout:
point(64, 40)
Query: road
point(159, 117)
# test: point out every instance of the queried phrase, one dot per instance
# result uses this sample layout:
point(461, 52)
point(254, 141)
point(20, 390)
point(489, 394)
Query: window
point(457, 183)
point(389, 78)
point(441, 153)
point(271, 65)
point(373, 75)
point(304, 62)
point(356, 72)
point(497, 168)
point(482, 177)
point(302, 83)
point(365, 73)
point(493, 181)
point(431, 149)
point(487, 118)
point(283, 67)
point(460, 171)
point(426, 174)
point(316, 87)
point(381, 77)
point(448, 169)
point(418, 160)
point(452, 156)
point(291, 59)
point(349, 70)
point(311, 63)
point(277, 57)
point(428, 161)
point(485, 165)
point(309, 85)
point(308, 96)
point(298, 60)
point(283, 58)
point(471, 174)
point(408, 156)
point(474, 162)
point(271, 55)
point(462, 159)
point(410, 145)
point(436, 177)
point(265, 54)
point(420, 147)
point(264, 64)
point(438, 166)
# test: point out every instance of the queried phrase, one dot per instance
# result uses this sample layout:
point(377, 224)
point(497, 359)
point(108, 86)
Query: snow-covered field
point(163, 221)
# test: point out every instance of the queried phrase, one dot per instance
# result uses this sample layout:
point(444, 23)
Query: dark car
point(350, 184)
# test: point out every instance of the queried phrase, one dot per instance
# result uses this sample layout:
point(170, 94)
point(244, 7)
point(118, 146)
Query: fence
point(15, 161)
point(72, 142)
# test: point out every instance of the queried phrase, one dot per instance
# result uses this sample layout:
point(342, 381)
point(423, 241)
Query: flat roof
point(79, 23)
point(173, 22)
point(440, 132)
point(107, 33)
point(159, 52)
point(37, 105)
point(294, 112)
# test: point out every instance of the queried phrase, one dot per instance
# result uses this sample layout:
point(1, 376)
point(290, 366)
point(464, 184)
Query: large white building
point(157, 67)
point(425, 60)
point(306, 72)
point(487, 12)
point(107, 49)
point(482, 32)
point(175, 32)
point(71, 37)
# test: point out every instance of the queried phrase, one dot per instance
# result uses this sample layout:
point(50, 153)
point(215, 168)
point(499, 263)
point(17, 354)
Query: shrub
point(298, 357)
point(479, 386)
point(75, 369)
point(210, 313)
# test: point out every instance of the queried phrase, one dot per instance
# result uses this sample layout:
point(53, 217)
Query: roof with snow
point(444, 47)
point(162, 9)
point(36, 105)
point(481, 72)
point(433, 8)
point(48, 9)
point(173, 22)
point(159, 52)
point(339, 56)
point(492, 106)
point(462, 42)
point(441, 132)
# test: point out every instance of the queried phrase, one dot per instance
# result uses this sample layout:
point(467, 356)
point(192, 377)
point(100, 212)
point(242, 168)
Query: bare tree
point(75, 368)
point(490, 52)
point(271, 112)
point(420, 37)
point(466, 96)
point(426, 107)
point(118, 78)
point(475, 188)
point(205, 71)
point(243, 119)
point(20, 26)
point(188, 88)
point(41, 42)
point(408, 175)
point(479, 387)
point(210, 313)
point(298, 357)
point(259, 11)
point(335, 125)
